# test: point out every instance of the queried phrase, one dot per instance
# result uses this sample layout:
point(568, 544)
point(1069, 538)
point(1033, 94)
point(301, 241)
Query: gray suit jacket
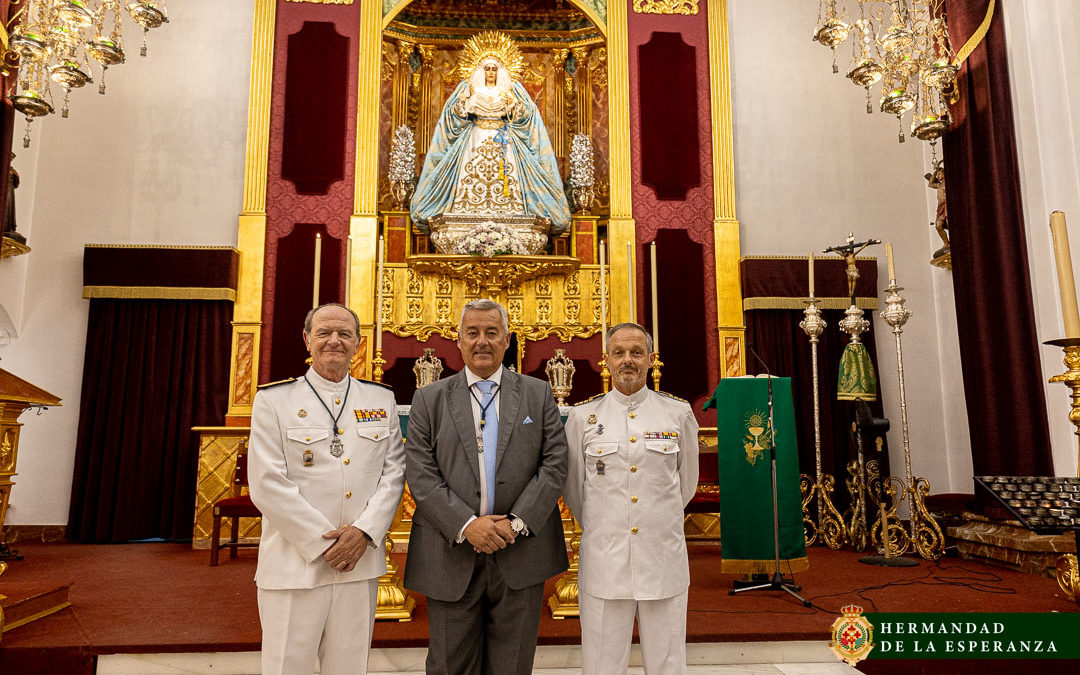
point(442, 473)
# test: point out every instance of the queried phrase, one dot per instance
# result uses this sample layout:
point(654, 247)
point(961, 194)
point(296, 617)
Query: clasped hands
point(351, 545)
point(489, 534)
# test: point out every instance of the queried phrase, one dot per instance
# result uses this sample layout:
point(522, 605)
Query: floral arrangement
point(403, 155)
point(581, 162)
point(490, 239)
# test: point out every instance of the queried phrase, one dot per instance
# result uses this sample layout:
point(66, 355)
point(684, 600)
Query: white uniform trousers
point(332, 622)
point(607, 628)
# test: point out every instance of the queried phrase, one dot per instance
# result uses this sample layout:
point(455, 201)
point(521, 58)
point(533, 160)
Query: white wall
point(810, 167)
point(1044, 59)
point(158, 159)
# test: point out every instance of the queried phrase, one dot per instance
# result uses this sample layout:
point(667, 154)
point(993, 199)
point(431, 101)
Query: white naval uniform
point(306, 607)
point(633, 468)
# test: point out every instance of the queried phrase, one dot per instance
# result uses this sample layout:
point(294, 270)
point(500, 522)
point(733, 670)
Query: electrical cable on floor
point(936, 574)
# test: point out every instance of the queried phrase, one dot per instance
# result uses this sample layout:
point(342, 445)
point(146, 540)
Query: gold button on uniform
point(346, 460)
point(633, 415)
point(634, 499)
point(307, 438)
point(633, 530)
point(348, 494)
point(633, 439)
point(633, 468)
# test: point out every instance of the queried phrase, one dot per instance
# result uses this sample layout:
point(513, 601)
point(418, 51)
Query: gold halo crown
point(491, 44)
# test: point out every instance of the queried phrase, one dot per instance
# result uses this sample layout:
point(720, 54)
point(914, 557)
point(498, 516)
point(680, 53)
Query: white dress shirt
point(475, 396)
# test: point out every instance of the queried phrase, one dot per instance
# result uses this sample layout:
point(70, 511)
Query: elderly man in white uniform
point(633, 468)
point(326, 468)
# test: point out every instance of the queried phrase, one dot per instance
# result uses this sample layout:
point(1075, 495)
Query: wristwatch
point(518, 525)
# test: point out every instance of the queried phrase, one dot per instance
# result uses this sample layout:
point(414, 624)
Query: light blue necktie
point(490, 433)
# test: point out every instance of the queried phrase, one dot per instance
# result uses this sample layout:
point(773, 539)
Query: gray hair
point(484, 305)
point(311, 315)
point(620, 326)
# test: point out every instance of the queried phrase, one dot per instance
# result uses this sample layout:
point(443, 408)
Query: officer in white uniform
point(633, 468)
point(326, 468)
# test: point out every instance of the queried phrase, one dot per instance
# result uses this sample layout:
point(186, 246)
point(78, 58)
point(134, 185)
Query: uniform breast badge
point(309, 459)
point(336, 448)
point(599, 429)
point(592, 419)
point(600, 467)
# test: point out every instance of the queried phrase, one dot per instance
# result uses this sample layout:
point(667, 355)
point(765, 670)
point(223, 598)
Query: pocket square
point(528, 420)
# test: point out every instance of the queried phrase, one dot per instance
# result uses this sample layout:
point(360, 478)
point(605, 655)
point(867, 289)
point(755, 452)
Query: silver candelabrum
point(829, 525)
point(926, 536)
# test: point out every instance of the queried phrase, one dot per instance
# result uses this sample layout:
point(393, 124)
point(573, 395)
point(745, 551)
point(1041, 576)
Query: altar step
point(22, 605)
point(731, 658)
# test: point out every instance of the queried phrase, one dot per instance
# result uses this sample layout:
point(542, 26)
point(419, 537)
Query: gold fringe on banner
point(800, 303)
point(158, 293)
point(767, 566)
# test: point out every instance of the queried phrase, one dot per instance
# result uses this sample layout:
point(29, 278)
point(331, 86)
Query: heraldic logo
point(852, 635)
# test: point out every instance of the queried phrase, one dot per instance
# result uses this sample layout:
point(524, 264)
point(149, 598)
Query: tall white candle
point(655, 301)
point(318, 271)
point(603, 298)
point(378, 296)
point(1066, 282)
point(630, 285)
point(348, 271)
point(811, 264)
point(892, 264)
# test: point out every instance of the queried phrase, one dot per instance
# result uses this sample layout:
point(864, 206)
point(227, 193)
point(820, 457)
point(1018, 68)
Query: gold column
point(621, 221)
point(559, 135)
point(429, 85)
point(726, 248)
point(584, 91)
point(251, 230)
point(364, 223)
point(402, 80)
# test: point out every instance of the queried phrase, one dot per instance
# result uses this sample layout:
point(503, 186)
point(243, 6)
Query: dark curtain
point(784, 348)
point(996, 324)
point(153, 370)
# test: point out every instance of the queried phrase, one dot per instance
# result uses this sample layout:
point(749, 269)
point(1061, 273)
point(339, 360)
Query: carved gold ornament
point(491, 44)
point(666, 7)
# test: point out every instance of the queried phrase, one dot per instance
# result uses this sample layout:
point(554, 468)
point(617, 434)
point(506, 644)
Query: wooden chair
point(237, 506)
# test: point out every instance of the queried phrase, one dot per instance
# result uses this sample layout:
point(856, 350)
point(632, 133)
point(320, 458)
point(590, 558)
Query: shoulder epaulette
point(591, 398)
point(673, 396)
point(377, 384)
point(274, 384)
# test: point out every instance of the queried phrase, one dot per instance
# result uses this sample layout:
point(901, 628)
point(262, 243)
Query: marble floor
point(730, 658)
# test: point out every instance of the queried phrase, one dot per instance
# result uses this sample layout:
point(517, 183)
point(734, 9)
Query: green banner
point(974, 635)
point(743, 438)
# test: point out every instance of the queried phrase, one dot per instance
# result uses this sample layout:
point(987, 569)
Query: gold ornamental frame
point(364, 223)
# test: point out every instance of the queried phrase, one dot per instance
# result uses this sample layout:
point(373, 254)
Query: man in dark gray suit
point(486, 462)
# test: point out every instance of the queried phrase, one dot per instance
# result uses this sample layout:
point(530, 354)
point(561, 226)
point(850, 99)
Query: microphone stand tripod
point(777, 583)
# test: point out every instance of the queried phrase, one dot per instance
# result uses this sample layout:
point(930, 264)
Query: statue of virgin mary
point(490, 156)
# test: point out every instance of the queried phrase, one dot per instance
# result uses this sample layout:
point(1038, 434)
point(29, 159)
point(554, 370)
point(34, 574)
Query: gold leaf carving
point(666, 7)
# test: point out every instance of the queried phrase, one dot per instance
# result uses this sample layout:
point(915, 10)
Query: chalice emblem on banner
point(758, 435)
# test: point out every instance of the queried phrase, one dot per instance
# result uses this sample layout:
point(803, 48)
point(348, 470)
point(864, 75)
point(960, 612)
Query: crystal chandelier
point(904, 45)
point(56, 40)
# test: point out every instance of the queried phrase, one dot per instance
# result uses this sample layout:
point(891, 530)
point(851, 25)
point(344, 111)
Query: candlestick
point(630, 285)
point(348, 271)
point(603, 299)
point(1066, 282)
point(318, 270)
point(810, 261)
point(892, 265)
point(378, 295)
point(655, 301)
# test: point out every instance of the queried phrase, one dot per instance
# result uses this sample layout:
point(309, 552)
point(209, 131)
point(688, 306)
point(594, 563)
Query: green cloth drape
point(743, 438)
